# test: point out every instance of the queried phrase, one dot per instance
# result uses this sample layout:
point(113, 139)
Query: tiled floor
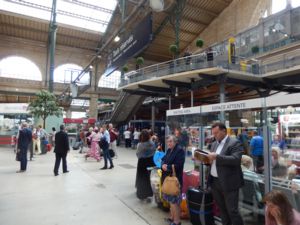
point(85, 196)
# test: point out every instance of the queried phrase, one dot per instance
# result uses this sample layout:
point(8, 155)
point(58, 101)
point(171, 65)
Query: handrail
point(264, 36)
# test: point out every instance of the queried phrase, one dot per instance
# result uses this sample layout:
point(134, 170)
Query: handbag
point(171, 184)
point(18, 155)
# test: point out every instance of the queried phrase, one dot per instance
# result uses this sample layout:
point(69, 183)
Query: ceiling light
point(274, 30)
point(157, 5)
point(99, 56)
point(117, 38)
point(176, 92)
point(286, 35)
point(91, 67)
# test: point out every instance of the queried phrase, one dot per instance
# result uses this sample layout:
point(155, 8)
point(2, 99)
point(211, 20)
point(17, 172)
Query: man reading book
point(226, 175)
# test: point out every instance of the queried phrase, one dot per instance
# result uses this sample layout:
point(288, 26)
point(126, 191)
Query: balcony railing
point(278, 30)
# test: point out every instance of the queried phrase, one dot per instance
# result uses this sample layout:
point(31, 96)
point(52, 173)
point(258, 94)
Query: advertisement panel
point(130, 46)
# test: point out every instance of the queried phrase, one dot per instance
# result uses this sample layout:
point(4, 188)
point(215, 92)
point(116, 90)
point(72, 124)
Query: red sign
point(89, 121)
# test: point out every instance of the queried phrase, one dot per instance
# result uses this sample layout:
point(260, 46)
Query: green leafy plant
point(45, 105)
point(173, 49)
point(255, 49)
point(199, 43)
point(139, 61)
point(125, 69)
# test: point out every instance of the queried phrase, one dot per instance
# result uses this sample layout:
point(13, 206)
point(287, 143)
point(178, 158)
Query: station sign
point(184, 111)
point(14, 108)
point(237, 105)
point(130, 46)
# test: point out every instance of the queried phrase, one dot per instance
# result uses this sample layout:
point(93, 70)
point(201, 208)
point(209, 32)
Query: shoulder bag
point(171, 184)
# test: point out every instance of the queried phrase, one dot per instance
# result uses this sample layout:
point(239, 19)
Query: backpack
point(103, 143)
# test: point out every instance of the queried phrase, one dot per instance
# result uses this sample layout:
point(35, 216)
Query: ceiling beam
point(155, 89)
point(193, 7)
point(286, 80)
point(252, 84)
point(201, 84)
point(173, 83)
point(208, 77)
point(144, 93)
point(194, 21)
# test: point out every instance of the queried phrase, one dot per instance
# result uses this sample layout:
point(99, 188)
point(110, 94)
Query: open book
point(201, 156)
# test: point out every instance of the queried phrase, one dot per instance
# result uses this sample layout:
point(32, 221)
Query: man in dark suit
point(226, 175)
point(24, 139)
point(61, 150)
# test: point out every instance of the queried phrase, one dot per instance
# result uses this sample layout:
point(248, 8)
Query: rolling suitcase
point(76, 145)
point(200, 200)
point(190, 179)
point(200, 204)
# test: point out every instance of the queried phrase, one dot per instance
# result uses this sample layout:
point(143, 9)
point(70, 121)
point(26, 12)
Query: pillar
point(69, 113)
point(222, 97)
point(153, 116)
point(192, 98)
point(93, 109)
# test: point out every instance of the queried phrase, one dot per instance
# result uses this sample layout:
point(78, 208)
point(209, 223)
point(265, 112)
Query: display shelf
point(294, 132)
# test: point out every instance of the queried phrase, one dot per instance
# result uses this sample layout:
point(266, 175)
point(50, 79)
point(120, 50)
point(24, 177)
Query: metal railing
point(186, 64)
point(273, 32)
point(196, 62)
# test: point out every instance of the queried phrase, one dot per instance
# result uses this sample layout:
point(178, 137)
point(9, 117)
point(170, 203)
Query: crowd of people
point(230, 164)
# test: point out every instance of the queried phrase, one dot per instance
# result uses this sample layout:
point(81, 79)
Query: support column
point(222, 97)
point(69, 113)
point(93, 109)
point(153, 116)
point(170, 102)
point(192, 98)
point(53, 28)
point(267, 152)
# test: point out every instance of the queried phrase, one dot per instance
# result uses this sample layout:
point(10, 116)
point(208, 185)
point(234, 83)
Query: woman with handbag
point(172, 167)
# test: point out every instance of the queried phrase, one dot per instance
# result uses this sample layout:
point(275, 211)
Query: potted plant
point(199, 43)
point(139, 61)
point(255, 49)
point(125, 68)
point(173, 49)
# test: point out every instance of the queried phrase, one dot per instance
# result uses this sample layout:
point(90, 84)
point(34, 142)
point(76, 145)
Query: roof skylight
point(87, 14)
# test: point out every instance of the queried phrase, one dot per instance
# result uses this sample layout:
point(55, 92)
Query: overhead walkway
point(274, 67)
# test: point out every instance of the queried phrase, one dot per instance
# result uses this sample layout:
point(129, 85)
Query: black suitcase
point(200, 204)
point(76, 145)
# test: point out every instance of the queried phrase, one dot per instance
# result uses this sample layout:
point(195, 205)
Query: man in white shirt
point(127, 136)
point(136, 136)
point(226, 175)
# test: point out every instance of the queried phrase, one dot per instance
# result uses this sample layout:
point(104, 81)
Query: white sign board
point(184, 111)
point(290, 118)
point(13, 108)
point(283, 100)
point(228, 106)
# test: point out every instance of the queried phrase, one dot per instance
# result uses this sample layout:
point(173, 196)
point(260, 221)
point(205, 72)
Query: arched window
point(69, 72)
point(19, 68)
point(295, 3)
point(111, 81)
point(278, 5)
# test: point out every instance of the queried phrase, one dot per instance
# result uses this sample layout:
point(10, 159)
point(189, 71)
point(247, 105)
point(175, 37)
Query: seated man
point(247, 168)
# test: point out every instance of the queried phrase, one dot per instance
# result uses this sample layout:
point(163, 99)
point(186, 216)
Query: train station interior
point(171, 67)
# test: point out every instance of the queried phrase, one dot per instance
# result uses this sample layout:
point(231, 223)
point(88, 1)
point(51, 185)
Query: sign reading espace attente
point(238, 105)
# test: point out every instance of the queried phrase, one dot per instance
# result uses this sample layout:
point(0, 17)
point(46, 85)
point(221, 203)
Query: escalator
point(126, 106)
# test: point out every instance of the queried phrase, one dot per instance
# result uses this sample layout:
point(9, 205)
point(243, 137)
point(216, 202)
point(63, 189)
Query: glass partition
point(270, 141)
point(285, 151)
